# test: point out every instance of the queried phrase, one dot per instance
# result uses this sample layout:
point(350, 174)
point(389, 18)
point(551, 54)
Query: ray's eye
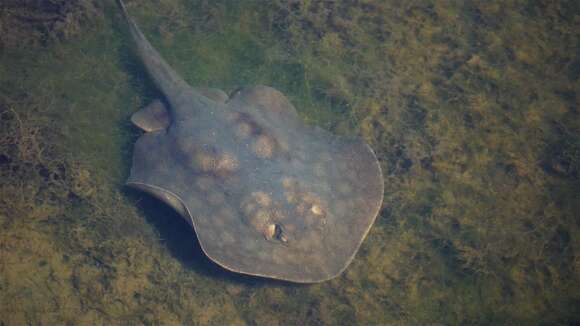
point(276, 232)
point(279, 233)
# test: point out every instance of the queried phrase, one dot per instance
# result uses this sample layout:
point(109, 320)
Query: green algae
point(471, 108)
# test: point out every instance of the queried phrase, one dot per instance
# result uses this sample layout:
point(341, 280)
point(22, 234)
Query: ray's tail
point(166, 79)
point(123, 8)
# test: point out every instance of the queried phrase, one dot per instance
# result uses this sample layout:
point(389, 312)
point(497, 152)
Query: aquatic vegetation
point(29, 23)
point(471, 108)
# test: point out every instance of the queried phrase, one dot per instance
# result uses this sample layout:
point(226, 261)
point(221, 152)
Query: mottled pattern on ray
point(267, 194)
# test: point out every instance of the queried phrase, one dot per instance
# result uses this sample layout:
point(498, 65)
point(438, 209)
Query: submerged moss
point(471, 108)
point(25, 23)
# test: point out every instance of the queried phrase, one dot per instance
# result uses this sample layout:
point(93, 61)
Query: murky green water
point(472, 109)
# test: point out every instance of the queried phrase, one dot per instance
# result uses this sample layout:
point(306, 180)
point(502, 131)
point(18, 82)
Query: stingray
point(266, 194)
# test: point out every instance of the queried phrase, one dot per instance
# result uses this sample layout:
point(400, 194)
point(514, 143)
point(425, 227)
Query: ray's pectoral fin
point(267, 101)
point(213, 93)
point(165, 196)
point(153, 117)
